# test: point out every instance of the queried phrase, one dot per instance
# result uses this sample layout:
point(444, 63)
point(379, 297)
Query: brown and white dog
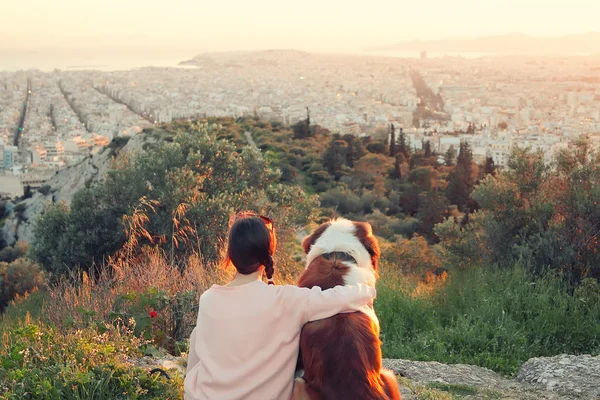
point(341, 355)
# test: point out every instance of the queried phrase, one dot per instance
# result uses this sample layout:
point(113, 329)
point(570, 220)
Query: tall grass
point(493, 318)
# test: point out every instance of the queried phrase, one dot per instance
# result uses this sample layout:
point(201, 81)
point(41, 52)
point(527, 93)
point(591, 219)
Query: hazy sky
point(321, 25)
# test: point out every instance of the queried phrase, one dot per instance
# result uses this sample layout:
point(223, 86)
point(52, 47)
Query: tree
point(462, 179)
point(402, 147)
point(503, 125)
point(409, 200)
point(465, 161)
point(427, 152)
point(376, 147)
point(335, 157)
point(396, 173)
point(302, 129)
point(450, 156)
point(432, 206)
point(424, 177)
point(392, 141)
point(490, 167)
point(195, 181)
point(356, 149)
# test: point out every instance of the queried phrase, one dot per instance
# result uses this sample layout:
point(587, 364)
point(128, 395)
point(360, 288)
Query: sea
point(15, 60)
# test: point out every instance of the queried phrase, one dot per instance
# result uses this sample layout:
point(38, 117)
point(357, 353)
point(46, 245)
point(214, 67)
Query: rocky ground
point(561, 377)
point(547, 378)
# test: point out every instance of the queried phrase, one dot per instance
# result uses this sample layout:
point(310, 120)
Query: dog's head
point(350, 238)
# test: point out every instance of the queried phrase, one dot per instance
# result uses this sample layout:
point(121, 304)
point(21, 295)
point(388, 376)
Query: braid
point(269, 270)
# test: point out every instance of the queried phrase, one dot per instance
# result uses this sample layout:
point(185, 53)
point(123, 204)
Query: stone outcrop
point(571, 376)
point(63, 185)
point(548, 378)
point(483, 382)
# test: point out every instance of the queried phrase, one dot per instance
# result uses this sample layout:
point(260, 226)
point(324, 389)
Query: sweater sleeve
point(315, 303)
point(193, 357)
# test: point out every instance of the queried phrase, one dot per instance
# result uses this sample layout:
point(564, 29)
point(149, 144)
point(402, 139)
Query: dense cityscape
point(50, 120)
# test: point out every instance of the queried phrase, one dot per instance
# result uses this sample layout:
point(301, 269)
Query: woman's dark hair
point(251, 244)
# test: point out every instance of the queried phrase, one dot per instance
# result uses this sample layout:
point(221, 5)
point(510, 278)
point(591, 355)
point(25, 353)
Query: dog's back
point(342, 354)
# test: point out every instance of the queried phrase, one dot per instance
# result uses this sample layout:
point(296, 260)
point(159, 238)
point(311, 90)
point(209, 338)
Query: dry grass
point(145, 267)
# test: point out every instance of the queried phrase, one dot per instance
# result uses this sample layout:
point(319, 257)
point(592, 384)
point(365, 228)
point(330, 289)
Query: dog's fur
point(341, 355)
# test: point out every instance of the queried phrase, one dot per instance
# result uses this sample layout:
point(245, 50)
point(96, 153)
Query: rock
point(160, 358)
point(468, 381)
point(62, 187)
point(573, 376)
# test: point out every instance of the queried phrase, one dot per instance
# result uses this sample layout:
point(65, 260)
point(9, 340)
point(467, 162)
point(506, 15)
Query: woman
point(245, 344)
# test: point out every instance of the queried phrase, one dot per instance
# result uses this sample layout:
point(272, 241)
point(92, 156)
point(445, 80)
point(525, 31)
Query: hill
point(514, 43)
point(144, 234)
point(19, 226)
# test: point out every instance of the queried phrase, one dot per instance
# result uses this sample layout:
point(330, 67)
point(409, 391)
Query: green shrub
point(165, 319)
point(18, 278)
point(406, 227)
point(343, 200)
point(492, 318)
point(546, 218)
point(11, 253)
point(377, 148)
point(38, 362)
point(179, 194)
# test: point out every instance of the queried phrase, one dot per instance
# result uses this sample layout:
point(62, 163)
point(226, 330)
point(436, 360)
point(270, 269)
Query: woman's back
point(246, 341)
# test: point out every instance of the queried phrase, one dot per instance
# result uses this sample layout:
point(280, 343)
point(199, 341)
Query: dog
point(341, 356)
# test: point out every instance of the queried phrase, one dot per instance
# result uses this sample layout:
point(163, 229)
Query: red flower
point(153, 314)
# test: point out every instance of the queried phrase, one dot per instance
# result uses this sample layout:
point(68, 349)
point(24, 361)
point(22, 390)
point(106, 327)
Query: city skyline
point(312, 26)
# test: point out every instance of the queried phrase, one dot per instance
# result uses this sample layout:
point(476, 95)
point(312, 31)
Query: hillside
point(19, 226)
point(515, 43)
point(467, 289)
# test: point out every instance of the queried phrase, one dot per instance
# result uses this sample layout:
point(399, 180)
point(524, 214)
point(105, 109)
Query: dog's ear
point(308, 241)
point(364, 232)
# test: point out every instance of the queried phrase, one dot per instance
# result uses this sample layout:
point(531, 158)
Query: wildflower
point(153, 314)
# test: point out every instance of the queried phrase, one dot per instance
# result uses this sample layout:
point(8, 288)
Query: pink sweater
point(245, 344)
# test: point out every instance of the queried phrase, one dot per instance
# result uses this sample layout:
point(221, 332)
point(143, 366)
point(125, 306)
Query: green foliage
point(547, 218)
point(302, 129)
point(402, 145)
point(11, 253)
point(334, 159)
point(197, 176)
point(488, 317)
point(462, 179)
point(343, 200)
point(450, 156)
point(17, 278)
point(355, 151)
point(377, 148)
point(427, 149)
point(153, 315)
point(38, 362)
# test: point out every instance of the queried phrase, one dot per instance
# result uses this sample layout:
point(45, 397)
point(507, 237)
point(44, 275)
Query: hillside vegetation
point(478, 266)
